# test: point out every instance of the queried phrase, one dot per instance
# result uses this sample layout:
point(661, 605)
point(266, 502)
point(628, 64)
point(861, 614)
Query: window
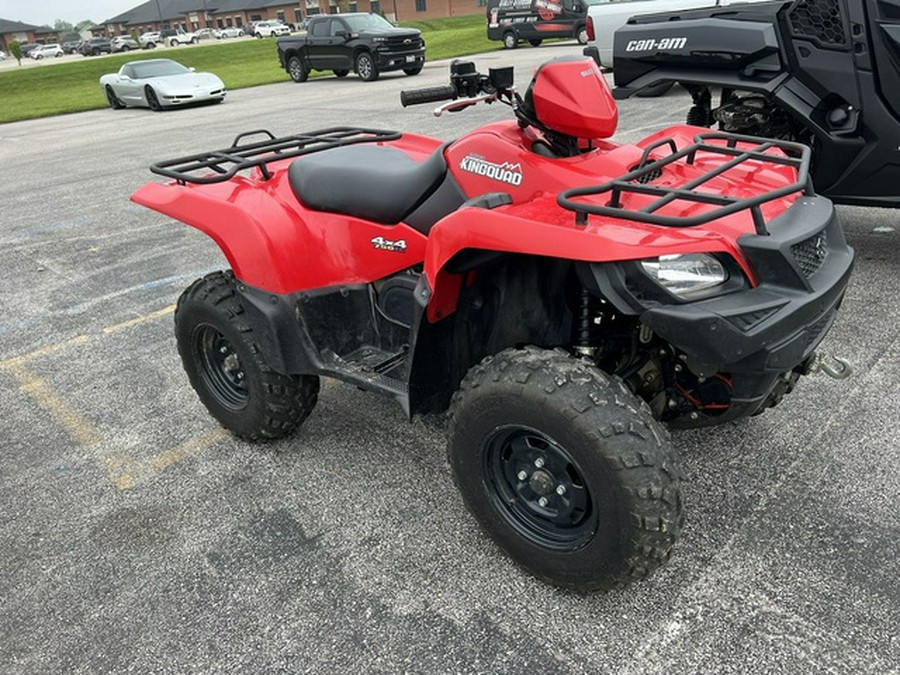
point(220, 23)
point(255, 17)
point(320, 28)
point(353, 6)
point(298, 16)
point(228, 21)
point(420, 5)
point(280, 15)
point(376, 6)
point(239, 21)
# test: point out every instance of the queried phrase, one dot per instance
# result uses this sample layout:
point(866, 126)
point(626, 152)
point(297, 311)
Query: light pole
point(159, 11)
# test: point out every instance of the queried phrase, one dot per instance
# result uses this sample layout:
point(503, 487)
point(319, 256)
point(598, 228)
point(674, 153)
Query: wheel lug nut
point(523, 475)
point(223, 349)
point(561, 490)
point(240, 375)
point(543, 501)
point(539, 462)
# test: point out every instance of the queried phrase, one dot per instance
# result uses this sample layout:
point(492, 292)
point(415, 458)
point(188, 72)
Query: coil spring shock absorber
point(586, 345)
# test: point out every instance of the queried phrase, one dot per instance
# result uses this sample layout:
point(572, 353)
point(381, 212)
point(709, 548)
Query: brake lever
point(463, 103)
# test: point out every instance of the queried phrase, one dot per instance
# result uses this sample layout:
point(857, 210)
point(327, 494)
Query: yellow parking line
point(44, 394)
point(124, 471)
point(140, 319)
point(21, 360)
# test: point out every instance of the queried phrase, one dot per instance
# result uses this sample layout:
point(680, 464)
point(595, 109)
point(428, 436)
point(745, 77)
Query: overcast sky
point(41, 12)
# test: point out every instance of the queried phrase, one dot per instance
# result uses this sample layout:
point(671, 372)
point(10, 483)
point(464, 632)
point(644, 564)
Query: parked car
point(536, 20)
point(124, 43)
point(150, 39)
point(96, 46)
point(175, 36)
point(158, 84)
point(207, 34)
point(28, 47)
point(263, 29)
point(366, 43)
point(71, 46)
point(53, 49)
point(229, 32)
point(2, 55)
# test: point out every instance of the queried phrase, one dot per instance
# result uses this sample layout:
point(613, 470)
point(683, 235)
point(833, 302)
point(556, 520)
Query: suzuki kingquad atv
point(563, 296)
point(821, 72)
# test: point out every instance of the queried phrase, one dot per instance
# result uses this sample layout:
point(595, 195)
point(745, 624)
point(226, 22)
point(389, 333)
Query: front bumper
point(391, 60)
point(757, 335)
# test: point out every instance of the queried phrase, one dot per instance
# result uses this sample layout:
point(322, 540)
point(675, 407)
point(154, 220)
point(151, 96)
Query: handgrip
point(427, 95)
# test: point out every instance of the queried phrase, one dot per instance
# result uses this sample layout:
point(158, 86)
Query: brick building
point(18, 31)
point(191, 15)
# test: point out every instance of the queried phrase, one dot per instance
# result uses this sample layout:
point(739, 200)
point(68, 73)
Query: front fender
point(542, 229)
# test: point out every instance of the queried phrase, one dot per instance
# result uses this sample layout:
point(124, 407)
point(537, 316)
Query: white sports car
point(158, 84)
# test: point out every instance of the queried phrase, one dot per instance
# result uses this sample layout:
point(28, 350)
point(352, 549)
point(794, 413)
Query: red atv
point(560, 294)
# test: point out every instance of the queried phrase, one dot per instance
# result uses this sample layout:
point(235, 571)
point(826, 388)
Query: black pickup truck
point(366, 43)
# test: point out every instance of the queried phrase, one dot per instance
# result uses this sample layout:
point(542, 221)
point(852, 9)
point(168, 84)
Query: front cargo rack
point(226, 163)
point(638, 182)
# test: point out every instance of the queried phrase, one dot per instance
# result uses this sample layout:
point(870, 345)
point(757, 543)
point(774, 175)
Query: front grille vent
point(820, 20)
point(811, 253)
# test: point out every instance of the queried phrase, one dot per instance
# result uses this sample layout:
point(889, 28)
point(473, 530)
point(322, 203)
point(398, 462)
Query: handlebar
point(467, 86)
point(428, 95)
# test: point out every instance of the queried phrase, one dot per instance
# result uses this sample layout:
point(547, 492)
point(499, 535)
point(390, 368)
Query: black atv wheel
point(341, 73)
point(366, 68)
point(152, 99)
point(297, 70)
point(225, 365)
point(113, 100)
point(565, 469)
point(535, 43)
point(510, 41)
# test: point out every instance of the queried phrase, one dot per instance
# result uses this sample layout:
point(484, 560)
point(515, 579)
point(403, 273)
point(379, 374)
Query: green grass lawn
point(56, 89)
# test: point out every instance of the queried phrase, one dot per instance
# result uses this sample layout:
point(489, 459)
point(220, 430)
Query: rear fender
point(275, 244)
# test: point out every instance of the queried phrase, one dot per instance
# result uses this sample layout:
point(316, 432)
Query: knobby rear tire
point(225, 365)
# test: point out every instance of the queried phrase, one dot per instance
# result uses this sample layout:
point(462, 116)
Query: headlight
point(686, 275)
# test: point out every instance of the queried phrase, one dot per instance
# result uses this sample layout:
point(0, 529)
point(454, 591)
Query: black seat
point(367, 181)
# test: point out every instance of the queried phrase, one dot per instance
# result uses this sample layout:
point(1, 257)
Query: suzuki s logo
point(407, 41)
point(651, 44)
point(382, 244)
point(505, 173)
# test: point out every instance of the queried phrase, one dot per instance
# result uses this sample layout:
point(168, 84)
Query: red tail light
point(590, 29)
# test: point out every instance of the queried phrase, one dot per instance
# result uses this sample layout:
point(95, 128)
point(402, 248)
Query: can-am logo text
point(651, 44)
point(505, 173)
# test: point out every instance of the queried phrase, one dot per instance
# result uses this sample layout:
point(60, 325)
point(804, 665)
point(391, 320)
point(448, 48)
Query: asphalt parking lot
point(137, 536)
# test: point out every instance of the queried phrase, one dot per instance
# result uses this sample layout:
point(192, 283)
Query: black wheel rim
point(220, 368)
point(538, 489)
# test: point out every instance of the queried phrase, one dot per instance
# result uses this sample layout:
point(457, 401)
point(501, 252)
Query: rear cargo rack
point(226, 163)
point(797, 156)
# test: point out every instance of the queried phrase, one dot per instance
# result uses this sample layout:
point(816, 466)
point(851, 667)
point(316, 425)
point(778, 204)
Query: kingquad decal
point(382, 244)
point(505, 173)
point(651, 44)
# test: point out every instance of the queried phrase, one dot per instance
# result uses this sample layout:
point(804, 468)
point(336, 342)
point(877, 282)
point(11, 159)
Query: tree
point(61, 26)
point(16, 50)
